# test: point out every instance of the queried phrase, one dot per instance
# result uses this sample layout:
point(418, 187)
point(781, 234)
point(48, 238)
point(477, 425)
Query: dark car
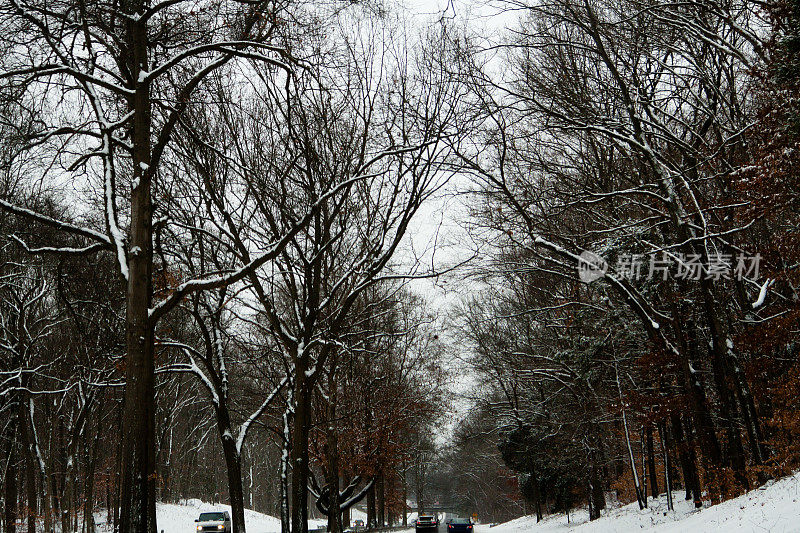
point(459, 525)
point(217, 522)
point(427, 522)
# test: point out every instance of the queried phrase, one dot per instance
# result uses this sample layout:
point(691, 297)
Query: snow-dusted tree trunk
point(286, 452)
point(139, 479)
point(10, 495)
point(631, 459)
point(662, 434)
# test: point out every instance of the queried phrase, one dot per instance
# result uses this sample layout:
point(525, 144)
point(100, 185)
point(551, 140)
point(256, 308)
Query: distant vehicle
point(217, 521)
point(427, 522)
point(358, 524)
point(459, 525)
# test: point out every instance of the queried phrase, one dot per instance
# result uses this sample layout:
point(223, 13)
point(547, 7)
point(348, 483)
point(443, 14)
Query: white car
point(215, 521)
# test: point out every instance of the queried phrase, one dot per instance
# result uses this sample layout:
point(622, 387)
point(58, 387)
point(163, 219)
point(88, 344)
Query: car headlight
point(221, 526)
point(199, 528)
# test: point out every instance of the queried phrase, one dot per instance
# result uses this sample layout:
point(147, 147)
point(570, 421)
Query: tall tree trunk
point(138, 505)
point(749, 415)
point(286, 452)
point(10, 482)
point(88, 493)
point(371, 507)
point(688, 459)
point(644, 467)
point(404, 479)
point(662, 433)
point(693, 387)
point(728, 410)
point(651, 462)
point(30, 466)
point(701, 415)
point(302, 420)
point(36, 450)
point(640, 498)
point(332, 452)
point(380, 496)
point(596, 495)
point(59, 465)
point(233, 464)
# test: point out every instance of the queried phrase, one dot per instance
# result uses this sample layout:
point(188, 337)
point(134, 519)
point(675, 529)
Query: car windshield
point(211, 517)
point(460, 521)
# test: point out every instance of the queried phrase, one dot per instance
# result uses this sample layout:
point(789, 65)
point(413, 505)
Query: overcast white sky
point(438, 229)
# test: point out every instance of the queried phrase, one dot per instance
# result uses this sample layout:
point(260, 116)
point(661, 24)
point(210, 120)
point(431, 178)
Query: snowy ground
point(179, 518)
point(774, 508)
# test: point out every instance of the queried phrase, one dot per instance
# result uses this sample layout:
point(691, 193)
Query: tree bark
point(30, 466)
point(380, 497)
point(688, 459)
point(10, 482)
point(332, 452)
point(651, 462)
point(662, 433)
point(727, 405)
point(138, 504)
point(404, 479)
point(44, 483)
point(285, 458)
point(302, 420)
point(233, 464)
point(596, 496)
point(371, 507)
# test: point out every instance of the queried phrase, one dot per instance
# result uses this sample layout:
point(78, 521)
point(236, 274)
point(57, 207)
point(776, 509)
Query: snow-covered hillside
point(774, 508)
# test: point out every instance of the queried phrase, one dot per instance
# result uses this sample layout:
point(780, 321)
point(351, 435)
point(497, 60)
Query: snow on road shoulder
point(774, 507)
point(179, 518)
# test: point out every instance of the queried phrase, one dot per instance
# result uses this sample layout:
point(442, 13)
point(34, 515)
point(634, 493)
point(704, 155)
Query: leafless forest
point(211, 284)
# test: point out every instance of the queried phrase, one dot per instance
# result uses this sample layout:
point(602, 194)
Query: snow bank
point(774, 507)
point(179, 518)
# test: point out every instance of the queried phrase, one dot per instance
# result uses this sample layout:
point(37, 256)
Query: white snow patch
point(179, 518)
point(774, 507)
point(762, 294)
